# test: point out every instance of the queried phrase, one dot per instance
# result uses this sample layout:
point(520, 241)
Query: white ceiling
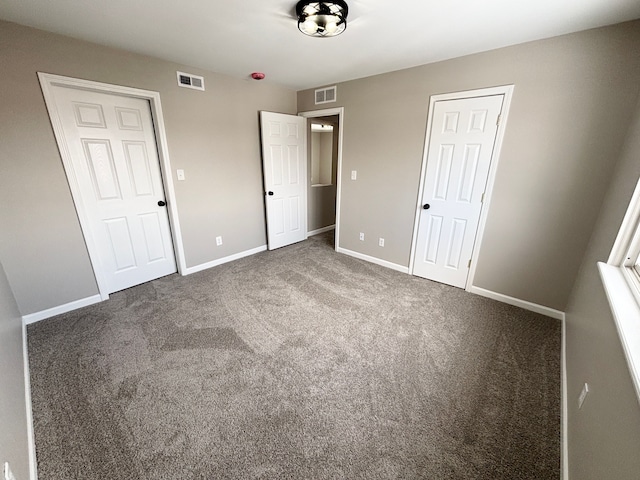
point(243, 36)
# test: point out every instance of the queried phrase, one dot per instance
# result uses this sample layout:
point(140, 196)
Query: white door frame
point(507, 91)
point(47, 82)
point(328, 112)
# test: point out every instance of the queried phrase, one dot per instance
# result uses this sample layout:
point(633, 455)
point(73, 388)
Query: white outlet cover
point(381, 242)
point(583, 395)
point(362, 236)
point(354, 174)
point(8, 474)
point(218, 241)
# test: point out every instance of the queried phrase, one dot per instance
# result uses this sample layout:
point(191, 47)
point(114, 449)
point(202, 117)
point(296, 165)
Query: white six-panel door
point(284, 154)
point(111, 142)
point(460, 147)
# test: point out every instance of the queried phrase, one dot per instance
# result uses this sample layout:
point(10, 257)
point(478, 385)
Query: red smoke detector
point(257, 75)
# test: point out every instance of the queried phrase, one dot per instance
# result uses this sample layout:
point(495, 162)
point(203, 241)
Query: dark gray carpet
point(299, 363)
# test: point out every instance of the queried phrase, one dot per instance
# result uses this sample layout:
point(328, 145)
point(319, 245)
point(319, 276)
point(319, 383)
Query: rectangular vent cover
point(189, 80)
point(326, 95)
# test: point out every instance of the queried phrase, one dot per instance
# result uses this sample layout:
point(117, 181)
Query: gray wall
point(212, 135)
point(604, 435)
point(573, 100)
point(13, 412)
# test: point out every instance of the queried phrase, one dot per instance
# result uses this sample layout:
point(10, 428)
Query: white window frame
point(621, 280)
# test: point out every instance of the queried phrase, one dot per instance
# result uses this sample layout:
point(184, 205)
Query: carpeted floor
point(299, 363)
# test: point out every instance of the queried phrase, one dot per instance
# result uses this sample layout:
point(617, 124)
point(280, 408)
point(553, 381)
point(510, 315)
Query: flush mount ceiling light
point(322, 19)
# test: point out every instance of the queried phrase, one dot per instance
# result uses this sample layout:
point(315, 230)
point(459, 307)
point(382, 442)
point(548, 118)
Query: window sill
point(626, 313)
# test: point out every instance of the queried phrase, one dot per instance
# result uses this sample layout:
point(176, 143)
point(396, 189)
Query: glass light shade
point(331, 28)
point(309, 27)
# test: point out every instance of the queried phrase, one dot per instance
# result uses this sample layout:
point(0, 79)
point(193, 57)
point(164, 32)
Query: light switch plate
point(583, 395)
point(180, 174)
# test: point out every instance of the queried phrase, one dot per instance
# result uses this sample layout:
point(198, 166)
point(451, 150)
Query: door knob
point(270, 193)
point(161, 203)
point(426, 206)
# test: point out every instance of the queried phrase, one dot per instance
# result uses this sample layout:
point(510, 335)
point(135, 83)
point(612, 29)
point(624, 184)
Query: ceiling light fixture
point(322, 19)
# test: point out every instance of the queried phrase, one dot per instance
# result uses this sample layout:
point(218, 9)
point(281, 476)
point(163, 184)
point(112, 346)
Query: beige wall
point(572, 103)
point(212, 135)
point(604, 435)
point(13, 413)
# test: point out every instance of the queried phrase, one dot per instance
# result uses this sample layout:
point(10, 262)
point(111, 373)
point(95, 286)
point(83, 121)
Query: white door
point(284, 156)
point(111, 142)
point(460, 147)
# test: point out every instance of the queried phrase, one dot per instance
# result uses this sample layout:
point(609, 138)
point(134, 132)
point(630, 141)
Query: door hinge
point(499, 118)
point(482, 198)
point(469, 265)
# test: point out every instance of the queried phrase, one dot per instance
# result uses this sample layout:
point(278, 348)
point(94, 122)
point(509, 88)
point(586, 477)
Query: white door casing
point(284, 154)
point(459, 150)
point(112, 147)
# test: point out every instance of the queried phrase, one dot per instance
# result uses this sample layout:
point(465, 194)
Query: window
point(621, 280)
point(629, 254)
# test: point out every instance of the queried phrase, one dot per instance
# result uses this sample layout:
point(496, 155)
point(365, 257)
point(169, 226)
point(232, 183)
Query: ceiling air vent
point(190, 81)
point(326, 95)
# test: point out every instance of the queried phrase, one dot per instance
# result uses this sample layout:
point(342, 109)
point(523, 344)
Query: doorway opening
point(324, 146)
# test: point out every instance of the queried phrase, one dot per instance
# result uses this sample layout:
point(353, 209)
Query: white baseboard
point(564, 451)
point(320, 230)
point(533, 307)
point(33, 464)
point(220, 261)
point(67, 307)
point(377, 261)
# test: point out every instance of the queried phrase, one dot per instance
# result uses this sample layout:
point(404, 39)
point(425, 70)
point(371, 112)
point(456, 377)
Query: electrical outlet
point(583, 395)
point(8, 474)
point(354, 174)
point(218, 241)
point(381, 242)
point(180, 174)
point(362, 236)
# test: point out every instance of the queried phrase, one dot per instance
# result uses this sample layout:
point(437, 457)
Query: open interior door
point(284, 156)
